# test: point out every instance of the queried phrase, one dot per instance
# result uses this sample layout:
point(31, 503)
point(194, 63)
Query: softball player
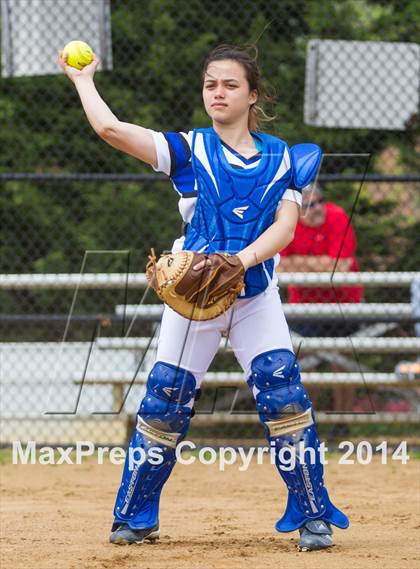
point(240, 192)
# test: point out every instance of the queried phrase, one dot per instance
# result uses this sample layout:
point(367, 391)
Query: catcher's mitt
point(196, 294)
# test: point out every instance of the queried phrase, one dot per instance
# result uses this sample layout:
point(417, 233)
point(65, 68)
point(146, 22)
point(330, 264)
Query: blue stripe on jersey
point(179, 151)
point(293, 187)
point(184, 182)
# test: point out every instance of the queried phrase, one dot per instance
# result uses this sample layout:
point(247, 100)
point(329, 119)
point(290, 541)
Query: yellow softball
point(78, 53)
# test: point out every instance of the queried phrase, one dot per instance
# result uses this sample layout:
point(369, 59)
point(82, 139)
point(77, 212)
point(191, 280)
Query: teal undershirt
point(258, 144)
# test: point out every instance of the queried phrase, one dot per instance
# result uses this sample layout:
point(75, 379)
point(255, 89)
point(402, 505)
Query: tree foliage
point(158, 49)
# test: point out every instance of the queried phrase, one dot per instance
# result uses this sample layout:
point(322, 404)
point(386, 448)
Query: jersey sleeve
point(173, 151)
point(292, 195)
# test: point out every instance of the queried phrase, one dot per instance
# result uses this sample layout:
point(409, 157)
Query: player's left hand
point(247, 258)
point(198, 286)
point(202, 264)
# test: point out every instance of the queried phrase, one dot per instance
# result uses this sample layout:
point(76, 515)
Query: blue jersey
point(227, 200)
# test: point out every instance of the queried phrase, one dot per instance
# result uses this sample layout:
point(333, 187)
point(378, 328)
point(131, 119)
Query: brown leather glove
point(196, 295)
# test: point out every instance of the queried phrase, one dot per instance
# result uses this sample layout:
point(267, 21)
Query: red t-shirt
point(325, 240)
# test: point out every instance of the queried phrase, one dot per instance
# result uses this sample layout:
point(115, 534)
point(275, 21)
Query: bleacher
point(117, 367)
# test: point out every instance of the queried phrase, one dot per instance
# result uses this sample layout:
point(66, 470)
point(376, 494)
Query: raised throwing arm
point(130, 138)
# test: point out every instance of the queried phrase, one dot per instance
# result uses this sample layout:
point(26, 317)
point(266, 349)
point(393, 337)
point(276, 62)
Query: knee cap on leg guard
point(165, 413)
point(274, 368)
point(282, 401)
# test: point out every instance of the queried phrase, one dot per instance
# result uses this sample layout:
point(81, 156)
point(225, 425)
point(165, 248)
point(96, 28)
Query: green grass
point(5, 456)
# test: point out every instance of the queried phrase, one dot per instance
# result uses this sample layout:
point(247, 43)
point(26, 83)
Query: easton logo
point(318, 525)
point(239, 211)
point(169, 390)
point(279, 372)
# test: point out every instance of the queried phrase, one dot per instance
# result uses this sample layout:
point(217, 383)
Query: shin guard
point(285, 410)
point(162, 421)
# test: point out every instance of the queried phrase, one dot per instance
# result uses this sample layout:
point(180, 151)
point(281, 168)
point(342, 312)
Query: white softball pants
point(253, 326)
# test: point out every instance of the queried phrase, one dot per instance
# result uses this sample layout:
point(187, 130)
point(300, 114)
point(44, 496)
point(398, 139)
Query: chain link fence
point(70, 203)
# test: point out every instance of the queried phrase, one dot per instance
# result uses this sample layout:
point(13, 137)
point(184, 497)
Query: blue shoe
point(315, 534)
point(124, 535)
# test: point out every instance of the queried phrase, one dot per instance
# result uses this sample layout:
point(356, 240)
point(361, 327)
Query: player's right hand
point(73, 73)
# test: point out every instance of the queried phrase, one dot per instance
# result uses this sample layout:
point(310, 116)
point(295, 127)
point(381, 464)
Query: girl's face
point(226, 93)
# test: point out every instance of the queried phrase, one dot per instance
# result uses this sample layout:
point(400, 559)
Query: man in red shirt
point(322, 234)
point(319, 236)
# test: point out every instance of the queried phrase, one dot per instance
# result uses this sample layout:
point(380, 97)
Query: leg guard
point(162, 421)
point(286, 412)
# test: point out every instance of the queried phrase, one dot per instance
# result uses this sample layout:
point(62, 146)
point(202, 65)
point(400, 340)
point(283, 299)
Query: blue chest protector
point(235, 206)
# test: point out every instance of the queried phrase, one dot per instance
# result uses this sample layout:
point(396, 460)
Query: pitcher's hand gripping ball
point(196, 294)
point(78, 54)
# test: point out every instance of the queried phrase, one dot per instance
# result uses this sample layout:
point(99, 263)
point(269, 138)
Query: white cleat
point(315, 535)
point(124, 535)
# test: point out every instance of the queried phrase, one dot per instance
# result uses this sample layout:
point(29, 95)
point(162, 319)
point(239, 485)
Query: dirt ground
point(59, 517)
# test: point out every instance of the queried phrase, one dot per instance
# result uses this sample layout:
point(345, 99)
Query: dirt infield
point(59, 517)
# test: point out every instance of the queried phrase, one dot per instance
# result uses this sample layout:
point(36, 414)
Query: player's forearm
point(275, 238)
point(97, 111)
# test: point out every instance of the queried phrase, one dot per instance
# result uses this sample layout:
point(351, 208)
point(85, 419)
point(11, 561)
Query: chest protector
point(235, 206)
